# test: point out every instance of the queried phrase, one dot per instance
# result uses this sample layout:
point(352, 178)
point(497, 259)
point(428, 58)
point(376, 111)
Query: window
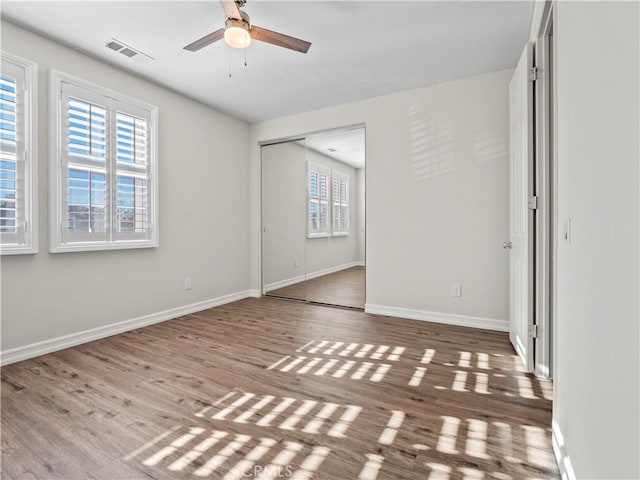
point(340, 199)
point(103, 170)
point(318, 202)
point(18, 195)
point(328, 199)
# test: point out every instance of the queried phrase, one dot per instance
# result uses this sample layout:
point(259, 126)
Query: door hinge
point(533, 74)
point(533, 203)
point(533, 331)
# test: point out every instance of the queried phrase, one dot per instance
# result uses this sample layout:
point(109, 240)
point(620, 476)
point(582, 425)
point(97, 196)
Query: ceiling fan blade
point(230, 8)
point(279, 39)
point(206, 40)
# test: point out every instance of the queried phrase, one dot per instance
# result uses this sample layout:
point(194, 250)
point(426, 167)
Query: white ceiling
point(360, 49)
point(346, 146)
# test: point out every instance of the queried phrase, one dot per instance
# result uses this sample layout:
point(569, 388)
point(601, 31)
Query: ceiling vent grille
point(127, 51)
point(113, 45)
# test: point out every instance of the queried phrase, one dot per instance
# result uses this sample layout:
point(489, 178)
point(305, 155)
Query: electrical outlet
point(456, 290)
point(187, 283)
point(295, 263)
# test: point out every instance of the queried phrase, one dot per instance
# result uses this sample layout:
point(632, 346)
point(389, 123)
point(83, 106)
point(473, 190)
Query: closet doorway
point(313, 218)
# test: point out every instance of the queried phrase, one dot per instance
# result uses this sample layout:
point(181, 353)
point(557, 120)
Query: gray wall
point(203, 216)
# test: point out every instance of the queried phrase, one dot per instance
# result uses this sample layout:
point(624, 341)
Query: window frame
point(118, 102)
point(321, 170)
point(30, 244)
point(339, 176)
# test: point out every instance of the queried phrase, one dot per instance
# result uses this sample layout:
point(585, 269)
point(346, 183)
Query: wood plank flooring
point(270, 389)
point(345, 288)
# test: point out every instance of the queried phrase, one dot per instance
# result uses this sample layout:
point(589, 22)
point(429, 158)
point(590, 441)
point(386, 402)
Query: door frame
point(546, 191)
point(541, 183)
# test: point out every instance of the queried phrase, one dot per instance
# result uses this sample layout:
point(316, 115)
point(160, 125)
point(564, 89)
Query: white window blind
point(11, 101)
point(340, 201)
point(318, 201)
point(105, 173)
point(85, 189)
point(18, 221)
point(132, 174)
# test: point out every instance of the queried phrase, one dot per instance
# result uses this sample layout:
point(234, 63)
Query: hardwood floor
point(345, 288)
point(265, 388)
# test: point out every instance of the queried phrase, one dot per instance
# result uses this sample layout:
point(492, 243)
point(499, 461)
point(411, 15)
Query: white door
point(521, 265)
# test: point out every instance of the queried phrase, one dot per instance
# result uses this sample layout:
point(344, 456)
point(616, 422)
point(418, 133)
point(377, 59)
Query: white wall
point(361, 214)
point(284, 214)
point(203, 217)
point(597, 384)
point(437, 193)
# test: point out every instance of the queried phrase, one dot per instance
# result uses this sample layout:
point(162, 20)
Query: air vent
point(113, 45)
point(127, 51)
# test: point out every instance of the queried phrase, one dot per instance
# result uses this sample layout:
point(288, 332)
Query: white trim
point(284, 283)
point(47, 346)
point(562, 457)
point(31, 158)
point(327, 271)
point(438, 317)
point(301, 278)
point(321, 170)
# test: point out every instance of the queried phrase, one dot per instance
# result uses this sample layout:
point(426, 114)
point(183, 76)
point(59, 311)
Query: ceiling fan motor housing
point(244, 19)
point(236, 31)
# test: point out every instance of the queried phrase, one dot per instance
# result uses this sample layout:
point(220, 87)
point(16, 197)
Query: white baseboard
point(562, 457)
point(284, 283)
point(437, 317)
point(47, 346)
point(327, 271)
point(301, 278)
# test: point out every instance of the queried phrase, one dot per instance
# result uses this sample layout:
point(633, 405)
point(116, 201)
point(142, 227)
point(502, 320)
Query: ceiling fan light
point(236, 34)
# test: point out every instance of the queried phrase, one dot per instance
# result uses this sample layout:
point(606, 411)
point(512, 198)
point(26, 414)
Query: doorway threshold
point(312, 302)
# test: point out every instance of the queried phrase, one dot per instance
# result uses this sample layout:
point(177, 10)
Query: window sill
point(101, 246)
point(18, 250)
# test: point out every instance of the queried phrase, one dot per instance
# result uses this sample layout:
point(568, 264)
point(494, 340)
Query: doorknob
point(506, 245)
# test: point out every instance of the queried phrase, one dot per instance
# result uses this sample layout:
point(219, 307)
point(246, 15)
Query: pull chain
point(229, 50)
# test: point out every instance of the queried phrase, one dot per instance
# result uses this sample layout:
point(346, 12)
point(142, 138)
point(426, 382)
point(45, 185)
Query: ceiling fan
point(238, 32)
